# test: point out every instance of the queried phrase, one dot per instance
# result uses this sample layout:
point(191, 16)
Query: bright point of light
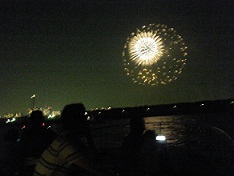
point(51, 116)
point(33, 96)
point(160, 138)
point(146, 48)
point(11, 120)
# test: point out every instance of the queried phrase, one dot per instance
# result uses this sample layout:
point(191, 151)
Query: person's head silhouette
point(73, 117)
point(36, 118)
point(137, 124)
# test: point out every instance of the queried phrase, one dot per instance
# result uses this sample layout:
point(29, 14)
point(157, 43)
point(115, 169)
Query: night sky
point(71, 51)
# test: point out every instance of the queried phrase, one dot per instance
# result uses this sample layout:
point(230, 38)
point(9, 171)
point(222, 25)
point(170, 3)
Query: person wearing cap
point(69, 152)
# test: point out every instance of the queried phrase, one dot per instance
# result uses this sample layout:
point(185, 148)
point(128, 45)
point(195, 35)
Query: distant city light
point(51, 116)
point(11, 120)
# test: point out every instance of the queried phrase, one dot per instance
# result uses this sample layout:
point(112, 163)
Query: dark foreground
point(198, 144)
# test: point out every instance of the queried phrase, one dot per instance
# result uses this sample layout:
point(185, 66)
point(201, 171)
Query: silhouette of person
point(133, 147)
point(11, 159)
point(34, 138)
point(69, 153)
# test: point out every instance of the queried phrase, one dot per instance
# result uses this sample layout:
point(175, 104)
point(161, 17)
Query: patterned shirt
point(58, 158)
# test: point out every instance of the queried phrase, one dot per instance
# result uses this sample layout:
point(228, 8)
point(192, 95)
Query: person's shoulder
point(63, 137)
point(11, 135)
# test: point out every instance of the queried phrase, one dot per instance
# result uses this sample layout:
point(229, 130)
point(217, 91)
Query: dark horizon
point(205, 106)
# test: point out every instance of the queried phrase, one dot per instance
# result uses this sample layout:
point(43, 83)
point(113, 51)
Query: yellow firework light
point(145, 48)
point(154, 55)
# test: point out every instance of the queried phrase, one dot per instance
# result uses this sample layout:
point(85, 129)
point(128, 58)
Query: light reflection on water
point(170, 126)
point(198, 144)
point(111, 132)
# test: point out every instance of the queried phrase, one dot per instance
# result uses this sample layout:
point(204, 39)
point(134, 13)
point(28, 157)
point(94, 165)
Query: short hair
point(72, 116)
point(36, 117)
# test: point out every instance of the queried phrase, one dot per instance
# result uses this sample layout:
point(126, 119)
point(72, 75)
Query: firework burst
point(145, 48)
point(154, 54)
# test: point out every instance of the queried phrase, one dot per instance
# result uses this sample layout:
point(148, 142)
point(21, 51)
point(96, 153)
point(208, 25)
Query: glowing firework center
point(154, 55)
point(145, 48)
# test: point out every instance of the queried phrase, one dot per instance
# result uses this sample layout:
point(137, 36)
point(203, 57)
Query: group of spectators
point(72, 151)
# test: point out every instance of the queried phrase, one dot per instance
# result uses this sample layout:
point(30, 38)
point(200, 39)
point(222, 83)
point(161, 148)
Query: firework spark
point(154, 54)
point(145, 48)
